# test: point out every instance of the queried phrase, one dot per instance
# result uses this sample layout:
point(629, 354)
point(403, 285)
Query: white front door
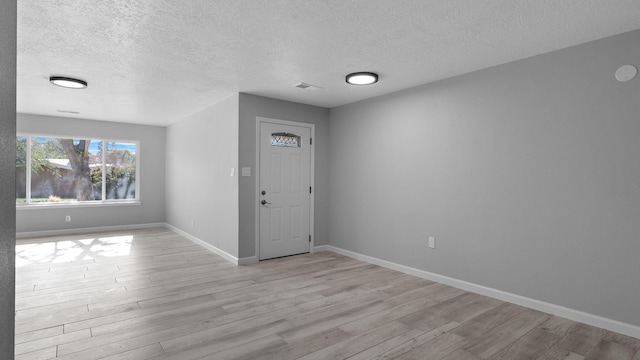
point(284, 190)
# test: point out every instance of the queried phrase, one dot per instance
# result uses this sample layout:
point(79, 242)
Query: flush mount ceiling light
point(362, 78)
point(68, 82)
point(626, 73)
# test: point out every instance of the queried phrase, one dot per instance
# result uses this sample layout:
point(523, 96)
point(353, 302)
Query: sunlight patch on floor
point(73, 250)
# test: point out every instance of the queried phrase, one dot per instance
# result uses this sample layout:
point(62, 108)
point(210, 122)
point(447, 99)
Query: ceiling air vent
point(305, 86)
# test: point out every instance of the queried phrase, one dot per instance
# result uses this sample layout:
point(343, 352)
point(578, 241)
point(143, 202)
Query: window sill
point(87, 204)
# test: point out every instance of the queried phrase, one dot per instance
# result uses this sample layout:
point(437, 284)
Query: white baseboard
point(320, 248)
point(27, 234)
point(594, 320)
point(247, 260)
point(205, 245)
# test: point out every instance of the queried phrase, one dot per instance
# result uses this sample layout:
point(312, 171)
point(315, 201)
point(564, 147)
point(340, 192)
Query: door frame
point(312, 154)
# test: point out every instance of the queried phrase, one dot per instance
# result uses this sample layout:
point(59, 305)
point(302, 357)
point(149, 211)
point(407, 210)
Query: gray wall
point(201, 150)
point(252, 106)
point(7, 170)
point(527, 174)
point(152, 173)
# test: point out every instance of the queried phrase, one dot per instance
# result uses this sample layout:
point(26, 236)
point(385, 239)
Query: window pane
point(121, 170)
point(61, 169)
point(21, 169)
point(95, 164)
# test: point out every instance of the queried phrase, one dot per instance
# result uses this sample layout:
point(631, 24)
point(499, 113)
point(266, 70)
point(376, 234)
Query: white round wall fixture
point(626, 73)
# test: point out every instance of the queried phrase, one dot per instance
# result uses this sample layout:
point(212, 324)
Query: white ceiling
point(157, 61)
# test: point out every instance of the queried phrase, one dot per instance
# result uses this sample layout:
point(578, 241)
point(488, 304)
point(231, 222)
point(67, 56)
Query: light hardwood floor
point(152, 294)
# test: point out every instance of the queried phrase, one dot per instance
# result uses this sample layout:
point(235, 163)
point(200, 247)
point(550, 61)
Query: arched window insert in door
point(285, 140)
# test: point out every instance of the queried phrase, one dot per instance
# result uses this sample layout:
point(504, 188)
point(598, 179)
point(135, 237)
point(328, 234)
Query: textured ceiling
point(157, 61)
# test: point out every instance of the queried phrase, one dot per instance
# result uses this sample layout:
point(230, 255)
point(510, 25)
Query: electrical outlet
point(67, 218)
point(432, 242)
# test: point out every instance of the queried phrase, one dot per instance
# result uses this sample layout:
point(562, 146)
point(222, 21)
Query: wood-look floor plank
point(434, 349)
point(162, 296)
point(488, 320)
point(152, 294)
point(65, 296)
point(39, 334)
point(389, 351)
point(44, 318)
point(203, 311)
point(233, 343)
point(66, 286)
point(129, 333)
point(503, 335)
point(301, 347)
point(42, 354)
point(555, 353)
point(40, 320)
point(557, 325)
point(460, 354)
point(353, 345)
point(52, 341)
point(258, 346)
point(607, 350)
point(528, 346)
point(386, 346)
point(319, 325)
point(68, 352)
point(462, 307)
point(374, 320)
point(581, 338)
point(142, 353)
point(621, 339)
point(269, 321)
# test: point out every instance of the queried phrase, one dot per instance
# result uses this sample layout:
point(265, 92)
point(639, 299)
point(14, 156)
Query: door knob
point(265, 202)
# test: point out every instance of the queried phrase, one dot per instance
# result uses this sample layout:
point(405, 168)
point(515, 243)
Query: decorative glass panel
point(285, 140)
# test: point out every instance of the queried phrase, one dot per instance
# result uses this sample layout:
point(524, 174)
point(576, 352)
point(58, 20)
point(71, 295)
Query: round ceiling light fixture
point(626, 73)
point(66, 82)
point(362, 78)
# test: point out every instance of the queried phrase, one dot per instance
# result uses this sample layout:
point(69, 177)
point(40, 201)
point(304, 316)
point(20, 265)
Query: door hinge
point(309, 238)
point(310, 141)
point(309, 189)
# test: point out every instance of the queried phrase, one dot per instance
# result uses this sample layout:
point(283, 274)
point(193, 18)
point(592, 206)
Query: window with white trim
point(51, 170)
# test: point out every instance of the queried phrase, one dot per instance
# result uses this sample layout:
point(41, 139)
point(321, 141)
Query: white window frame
point(91, 203)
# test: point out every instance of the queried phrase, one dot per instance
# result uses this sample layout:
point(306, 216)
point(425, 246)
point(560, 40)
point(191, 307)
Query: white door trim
point(260, 120)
